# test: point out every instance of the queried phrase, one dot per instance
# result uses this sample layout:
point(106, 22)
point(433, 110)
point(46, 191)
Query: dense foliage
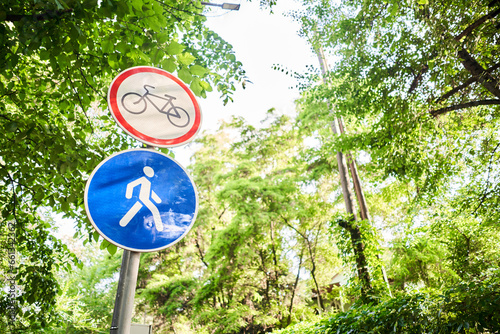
point(417, 86)
point(443, 163)
point(471, 307)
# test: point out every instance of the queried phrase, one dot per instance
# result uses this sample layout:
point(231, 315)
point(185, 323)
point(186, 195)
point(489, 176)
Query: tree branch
point(474, 68)
point(295, 288)
point(441, 111)
point(222, 213)
point(48, 15)
point(178, 9)
point(293, 227)
point(476, 24)
point(466, 84)
point(199, 248)
point(5, 117)
point(88, 84)
point(14, 197)
point(80, 100)
point(485, 192)
point(492, 3)
point(9, 94)
point(418, 77)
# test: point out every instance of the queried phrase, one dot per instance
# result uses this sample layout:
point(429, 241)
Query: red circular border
point(115, 110)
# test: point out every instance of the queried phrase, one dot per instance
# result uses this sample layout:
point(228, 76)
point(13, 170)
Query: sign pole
point(174, 122)
point(124, 302)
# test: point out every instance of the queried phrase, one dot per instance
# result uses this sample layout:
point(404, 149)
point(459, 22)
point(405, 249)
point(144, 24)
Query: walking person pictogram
point(145, 196)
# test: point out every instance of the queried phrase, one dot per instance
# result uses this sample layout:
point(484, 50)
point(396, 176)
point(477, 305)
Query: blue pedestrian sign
point(141, 200)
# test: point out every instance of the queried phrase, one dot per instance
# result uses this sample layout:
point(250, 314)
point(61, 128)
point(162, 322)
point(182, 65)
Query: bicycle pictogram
point(136, 103)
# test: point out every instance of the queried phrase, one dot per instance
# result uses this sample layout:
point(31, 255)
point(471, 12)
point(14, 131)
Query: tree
point(393, 75)
point(415, 84)
point(57, 59)
point(87, 295)
point(260, 244)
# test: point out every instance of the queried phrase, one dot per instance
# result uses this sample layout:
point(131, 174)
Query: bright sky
point(260, 40)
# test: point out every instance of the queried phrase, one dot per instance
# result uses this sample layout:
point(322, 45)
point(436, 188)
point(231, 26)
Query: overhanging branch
point(441, 111)
point(417, 78)
point(486, 79)
point(477, 23)
point(465, 84)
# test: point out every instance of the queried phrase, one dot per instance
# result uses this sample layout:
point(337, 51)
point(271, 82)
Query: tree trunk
point(363, 207)
point(356, 238)
point(321, 306)
point(359, 254)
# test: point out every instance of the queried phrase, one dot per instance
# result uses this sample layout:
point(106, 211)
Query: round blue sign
point(141, 200)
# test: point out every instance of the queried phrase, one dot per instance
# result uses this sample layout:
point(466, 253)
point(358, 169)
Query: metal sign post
point(124, 302)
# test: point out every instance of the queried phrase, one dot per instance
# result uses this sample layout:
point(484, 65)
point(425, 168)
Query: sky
point(260, 40)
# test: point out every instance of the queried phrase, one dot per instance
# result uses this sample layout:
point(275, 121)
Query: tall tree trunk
point(312, 258)
point(363, 207)
point(350, 226)
point(321, 306)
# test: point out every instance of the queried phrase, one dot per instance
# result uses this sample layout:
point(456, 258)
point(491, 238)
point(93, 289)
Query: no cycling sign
point(154, 107)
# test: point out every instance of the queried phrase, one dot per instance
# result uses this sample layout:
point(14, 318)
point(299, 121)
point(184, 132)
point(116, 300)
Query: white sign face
point(154, 107)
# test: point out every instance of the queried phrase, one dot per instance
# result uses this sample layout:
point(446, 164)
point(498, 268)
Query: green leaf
point(175, 48)
point(198, 70)
point(31, 299)
point(111, 249)
point(186, 58)
point(394, 9)
point(44, 54)
point(104, 244)
point(169, 65)
point(185, 76)
point(61, 4)
point(196, 87)
point(162, 37)
point(137, 4)
point(206, 86)
point(11, 126)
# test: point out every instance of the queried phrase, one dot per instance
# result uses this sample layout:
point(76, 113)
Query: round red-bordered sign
point(154, 107)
